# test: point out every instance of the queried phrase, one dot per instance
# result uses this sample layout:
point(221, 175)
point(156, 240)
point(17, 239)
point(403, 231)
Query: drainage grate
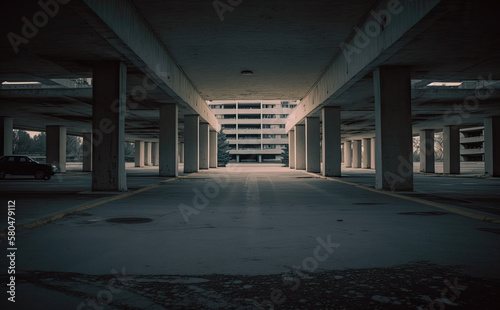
point(130, 220)
point(424, 213)
point(492, 230)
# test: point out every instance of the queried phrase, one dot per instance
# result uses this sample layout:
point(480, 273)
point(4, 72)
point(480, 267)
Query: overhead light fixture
point(246, 72)
point(445, 84)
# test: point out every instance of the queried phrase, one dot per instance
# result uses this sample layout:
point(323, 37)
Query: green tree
point(223, 156)
point(39, 146)
point(21, 142)
point(129, 152)
point(284, 156)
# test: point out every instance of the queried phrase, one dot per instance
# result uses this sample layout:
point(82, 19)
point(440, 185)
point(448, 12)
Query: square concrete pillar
point(427, 151)
point(169, 139)
point(108, 126)
point(366, 160)
point(313, 163)
point(191, 143)
point(181, 152)
point(394, 143)
point(331, 142)
point(87, 152)
point(204, 146)
point(291, 149)
point(347, 154)
point(300, 147)
point(213, 148)
point(56, 147)
point(147, 154)
point(259, 158)
point(6, 128)
point(356, 154)
point(372, 153)
point(451, 150)
point(139, 153)
point(155, 154)
point(492, 146)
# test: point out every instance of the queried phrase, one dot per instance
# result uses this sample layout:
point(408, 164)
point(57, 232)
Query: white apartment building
point(255, 129)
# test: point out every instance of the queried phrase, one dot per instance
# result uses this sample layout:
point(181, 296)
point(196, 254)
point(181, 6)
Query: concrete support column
point(372, 153)
point(300, 147)
point(356, 154)
point(108, 126)
point(87, 152)
point(451, 150)
point(492, 146)
point(139, 153)
point(331, 142)
point(147, 154)
point(347, 154)
point(169, 140)
point(191, 143)
point(291, 149)
point(366, 160)
point(237, 158)
point(6, 128)
point(204, 146)
point(427, 151)
point(155, 154)
point(213, 149)
point(259, 158)
point(56, 147)
point(181, 152)
point(394, 143)
point(313, 163)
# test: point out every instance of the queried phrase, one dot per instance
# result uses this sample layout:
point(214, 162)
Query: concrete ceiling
point(289, 45)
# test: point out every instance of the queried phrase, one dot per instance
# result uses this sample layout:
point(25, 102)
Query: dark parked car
point(24, 165)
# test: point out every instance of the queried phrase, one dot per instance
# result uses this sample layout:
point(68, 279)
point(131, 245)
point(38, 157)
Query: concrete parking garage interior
point(352, 223)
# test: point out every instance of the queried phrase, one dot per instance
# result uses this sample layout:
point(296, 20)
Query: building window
point(266, 126)
point(293, 106)
point(268, 106)
point(284, 136)
point(283, 115)
point(269, 136)
point(269, 146)
point(228, 126)
point(248, 126)
point(282, 126)
point(248, 116)
point(269, 116)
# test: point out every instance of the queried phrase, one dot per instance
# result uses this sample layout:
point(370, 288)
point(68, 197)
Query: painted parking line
point(449, 208)
point(61, 214)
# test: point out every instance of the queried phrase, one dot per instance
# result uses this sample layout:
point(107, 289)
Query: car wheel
point(2, 175)
point(39, 175)
point(47, 177)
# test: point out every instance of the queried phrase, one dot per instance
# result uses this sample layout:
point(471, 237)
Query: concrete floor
point(250, 236)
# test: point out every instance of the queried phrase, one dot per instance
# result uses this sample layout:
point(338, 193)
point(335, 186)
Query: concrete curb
point(86, 206)
point(450, 208)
